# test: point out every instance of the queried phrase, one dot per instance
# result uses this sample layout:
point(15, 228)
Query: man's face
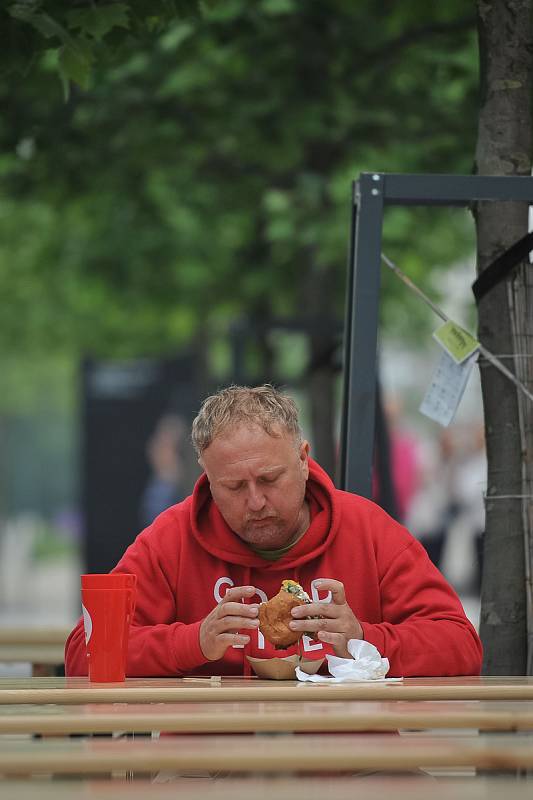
point(258, 483)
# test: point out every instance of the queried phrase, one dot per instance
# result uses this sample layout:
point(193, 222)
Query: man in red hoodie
point(264, 511)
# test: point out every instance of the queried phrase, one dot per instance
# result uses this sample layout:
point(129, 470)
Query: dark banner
point(136, 453)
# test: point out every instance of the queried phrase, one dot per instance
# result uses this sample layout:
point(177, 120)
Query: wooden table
point(267, 716)
point(264, 788)
point(37, 646)
point(200, 690)
point(50, 655)
point(244, 753)
point(43, 635)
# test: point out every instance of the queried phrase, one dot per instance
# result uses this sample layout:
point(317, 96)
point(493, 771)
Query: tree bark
point(504, 148)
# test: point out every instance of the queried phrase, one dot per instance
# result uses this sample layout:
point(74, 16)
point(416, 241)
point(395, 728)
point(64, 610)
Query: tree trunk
point(504, 148)
point(522, 317)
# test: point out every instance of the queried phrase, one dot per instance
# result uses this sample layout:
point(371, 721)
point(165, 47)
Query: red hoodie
point(188, 557)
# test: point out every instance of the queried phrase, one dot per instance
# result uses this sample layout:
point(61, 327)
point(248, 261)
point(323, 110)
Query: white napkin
point(366, 664)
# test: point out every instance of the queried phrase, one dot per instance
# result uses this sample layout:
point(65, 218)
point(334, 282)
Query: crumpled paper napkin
point(366, 664)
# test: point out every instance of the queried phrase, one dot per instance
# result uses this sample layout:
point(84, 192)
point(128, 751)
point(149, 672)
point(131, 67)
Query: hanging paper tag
point(456, 341)
point(446, 389)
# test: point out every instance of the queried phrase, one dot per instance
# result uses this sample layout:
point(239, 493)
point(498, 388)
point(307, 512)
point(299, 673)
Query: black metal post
point(372, 192)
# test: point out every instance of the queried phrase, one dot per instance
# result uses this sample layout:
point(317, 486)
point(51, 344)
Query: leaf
point(24, 9)
point(75, 65)
point(65, 83)
point(99, 20)
point(278, 6)
point(43, 23)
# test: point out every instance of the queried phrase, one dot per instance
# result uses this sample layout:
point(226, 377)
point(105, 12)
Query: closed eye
point(269, 479)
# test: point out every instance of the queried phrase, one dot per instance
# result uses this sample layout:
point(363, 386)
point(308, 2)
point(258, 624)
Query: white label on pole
point(446, 389)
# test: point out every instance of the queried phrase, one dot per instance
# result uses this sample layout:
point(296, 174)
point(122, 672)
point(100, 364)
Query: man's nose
point(256, 498)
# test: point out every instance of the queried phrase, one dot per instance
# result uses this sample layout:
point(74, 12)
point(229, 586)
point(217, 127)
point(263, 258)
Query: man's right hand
point(220, 629)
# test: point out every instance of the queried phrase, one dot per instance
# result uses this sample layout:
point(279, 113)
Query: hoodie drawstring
point(246, 668)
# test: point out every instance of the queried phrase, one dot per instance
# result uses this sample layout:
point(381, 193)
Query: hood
point(216, 537)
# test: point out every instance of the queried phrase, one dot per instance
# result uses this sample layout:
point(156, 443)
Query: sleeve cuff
point(374, 635)
point(186, 646)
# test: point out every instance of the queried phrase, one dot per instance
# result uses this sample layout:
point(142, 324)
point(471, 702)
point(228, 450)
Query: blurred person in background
point(463, 556)
point(433, 507)
point(165, 484)
point(448, 513)
point(404, 462)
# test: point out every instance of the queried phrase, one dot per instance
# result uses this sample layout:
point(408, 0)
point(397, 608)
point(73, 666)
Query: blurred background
point(180, 220)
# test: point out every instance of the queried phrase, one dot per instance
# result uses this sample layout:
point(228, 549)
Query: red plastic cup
point(108, 580)
point(107, 614)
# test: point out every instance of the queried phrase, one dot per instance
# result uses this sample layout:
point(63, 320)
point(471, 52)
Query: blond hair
point(264, 406)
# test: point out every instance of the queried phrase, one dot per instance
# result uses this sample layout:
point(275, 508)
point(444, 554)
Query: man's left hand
point(337, 624)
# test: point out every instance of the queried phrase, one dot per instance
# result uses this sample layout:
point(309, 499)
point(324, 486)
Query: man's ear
point(304, 458)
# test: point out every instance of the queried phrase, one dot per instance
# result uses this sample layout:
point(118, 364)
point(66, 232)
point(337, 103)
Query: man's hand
point(220, 629)
point(338, 623)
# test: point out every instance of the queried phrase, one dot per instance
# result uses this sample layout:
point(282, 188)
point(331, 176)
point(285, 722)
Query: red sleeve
point(158, 645)
point(424, 631)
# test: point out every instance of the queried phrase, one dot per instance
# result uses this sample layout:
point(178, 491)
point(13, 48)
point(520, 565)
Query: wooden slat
point(263, 788)
point(159, 690)
point(274, 754)
point(46, 635)
point(32, 653)
point(266, 716)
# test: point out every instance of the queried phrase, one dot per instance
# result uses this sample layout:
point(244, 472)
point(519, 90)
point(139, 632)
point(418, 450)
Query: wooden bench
point(245, 753)
point(263, 788)
point(43, 648)
point(268, 716)
point(204, 690)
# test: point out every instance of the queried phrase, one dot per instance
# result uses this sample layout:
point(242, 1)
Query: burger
point(275, 614)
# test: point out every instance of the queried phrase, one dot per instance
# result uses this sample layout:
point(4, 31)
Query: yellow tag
point(456, 341)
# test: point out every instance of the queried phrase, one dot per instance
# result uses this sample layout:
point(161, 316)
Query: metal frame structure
point(371, 194)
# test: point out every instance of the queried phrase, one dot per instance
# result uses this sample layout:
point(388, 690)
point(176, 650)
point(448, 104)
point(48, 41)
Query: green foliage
point(49, 544)
point(79, 35)
point(205, 172)
point(98, 21)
